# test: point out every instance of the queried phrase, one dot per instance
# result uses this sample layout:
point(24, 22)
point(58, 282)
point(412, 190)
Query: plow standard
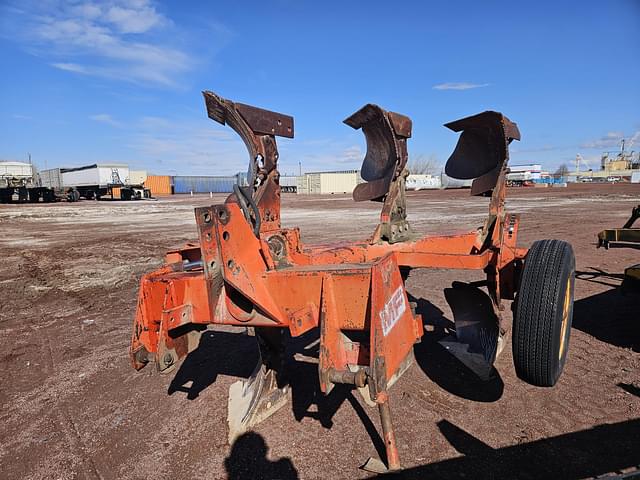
point(249, 271)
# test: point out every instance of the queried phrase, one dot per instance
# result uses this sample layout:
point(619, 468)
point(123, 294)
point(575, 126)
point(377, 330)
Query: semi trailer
point(19, 183)
point(96, 181)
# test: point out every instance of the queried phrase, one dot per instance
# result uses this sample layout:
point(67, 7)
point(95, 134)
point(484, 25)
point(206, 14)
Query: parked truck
point(96, 181)
point(19, 183)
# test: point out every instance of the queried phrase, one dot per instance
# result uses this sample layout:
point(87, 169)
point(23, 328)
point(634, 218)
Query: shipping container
point(136, 177)
point(99, 175)
point(339, 182)
point(303, 185)
point(51, 178)
point(328, 182)
point(203, 184)
point(159, 184)
point(635, 177)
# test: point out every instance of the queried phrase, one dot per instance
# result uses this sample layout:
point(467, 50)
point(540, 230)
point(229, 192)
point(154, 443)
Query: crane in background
point(580, 160)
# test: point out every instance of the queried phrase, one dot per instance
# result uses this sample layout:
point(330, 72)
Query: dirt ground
point(72, 406)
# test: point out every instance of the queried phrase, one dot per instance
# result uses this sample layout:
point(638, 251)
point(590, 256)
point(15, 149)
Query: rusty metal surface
point(482, 146)
point(266, 122)
point(382, 155)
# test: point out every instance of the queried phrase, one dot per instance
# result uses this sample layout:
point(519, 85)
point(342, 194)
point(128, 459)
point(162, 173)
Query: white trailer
point(98, 176)
point(102, 179)
point(422, 182)
point(51, 178)
point(19, 184)
point(288, 183)
point(449, 182)
point(521, 178)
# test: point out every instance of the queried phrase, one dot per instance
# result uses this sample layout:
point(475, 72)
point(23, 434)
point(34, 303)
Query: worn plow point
point(375, 465)
point(253, 400)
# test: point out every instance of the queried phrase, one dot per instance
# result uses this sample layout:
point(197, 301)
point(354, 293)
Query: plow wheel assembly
point(543, 313)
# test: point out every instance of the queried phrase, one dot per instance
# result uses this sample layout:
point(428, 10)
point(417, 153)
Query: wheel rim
point(565, 318)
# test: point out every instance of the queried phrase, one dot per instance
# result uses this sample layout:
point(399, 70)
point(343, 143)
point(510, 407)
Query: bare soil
point(72, 406)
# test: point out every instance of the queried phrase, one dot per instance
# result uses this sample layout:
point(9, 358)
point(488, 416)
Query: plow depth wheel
point(543, 313)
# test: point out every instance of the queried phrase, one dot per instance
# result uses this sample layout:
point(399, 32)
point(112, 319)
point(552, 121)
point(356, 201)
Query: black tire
point(543, 312)
point(73, 196)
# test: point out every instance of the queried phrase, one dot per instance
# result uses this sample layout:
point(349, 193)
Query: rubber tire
point(549, 269)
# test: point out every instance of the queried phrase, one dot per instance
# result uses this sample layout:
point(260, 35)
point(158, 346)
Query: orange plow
point(249, 271)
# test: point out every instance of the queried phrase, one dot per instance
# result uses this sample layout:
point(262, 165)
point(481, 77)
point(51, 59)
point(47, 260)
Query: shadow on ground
point(584, 454)
point(218, 352)
point(609, 316)
point(248, 459)
point(443, 368)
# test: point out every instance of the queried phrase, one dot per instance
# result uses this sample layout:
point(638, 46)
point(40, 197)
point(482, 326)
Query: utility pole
point(299, 168)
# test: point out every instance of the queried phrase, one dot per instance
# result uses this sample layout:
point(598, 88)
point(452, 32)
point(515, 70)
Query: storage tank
point(203, 184)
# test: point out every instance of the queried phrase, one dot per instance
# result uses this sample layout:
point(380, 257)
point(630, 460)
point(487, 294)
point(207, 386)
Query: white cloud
point(542, 148)
point(351, 154)
point(198, 148)
point(117, 39)
point(459, 86)
point(135, 20)
point(22, 117)
point(610, 140)
point(105, 118)
point(70, 67)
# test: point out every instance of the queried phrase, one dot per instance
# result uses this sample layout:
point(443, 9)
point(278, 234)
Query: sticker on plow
point(392, 311)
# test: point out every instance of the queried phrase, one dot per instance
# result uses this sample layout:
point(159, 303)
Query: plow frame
point(248, 271)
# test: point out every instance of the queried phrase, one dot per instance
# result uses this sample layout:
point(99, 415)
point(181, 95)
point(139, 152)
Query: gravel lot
point(72, 407)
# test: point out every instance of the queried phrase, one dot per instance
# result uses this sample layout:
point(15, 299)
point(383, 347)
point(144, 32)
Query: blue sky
point(86, 82)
